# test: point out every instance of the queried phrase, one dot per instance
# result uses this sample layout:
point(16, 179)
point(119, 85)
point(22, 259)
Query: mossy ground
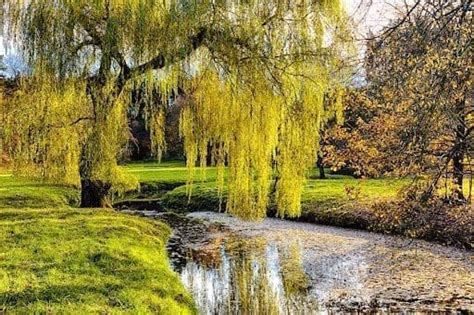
point(58, 259)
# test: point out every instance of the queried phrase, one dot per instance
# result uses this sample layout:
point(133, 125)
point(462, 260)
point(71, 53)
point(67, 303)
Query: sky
point(372, 15)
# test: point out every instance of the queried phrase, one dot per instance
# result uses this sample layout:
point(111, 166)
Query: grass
point(24, 193)
point(167, 172)
point(169, 178)
point(58, 259)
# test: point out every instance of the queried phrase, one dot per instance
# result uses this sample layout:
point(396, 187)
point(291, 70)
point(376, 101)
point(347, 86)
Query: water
point(248, 276)
point(280, 267)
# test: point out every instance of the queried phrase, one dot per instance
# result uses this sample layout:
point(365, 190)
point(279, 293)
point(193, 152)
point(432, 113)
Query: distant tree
point(255, 72)
point(367, 143)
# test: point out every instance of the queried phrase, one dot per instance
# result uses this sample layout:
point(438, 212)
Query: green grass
point(168, 172)
point(177, 172)
point(335, 189)
point(363, 189)
point(23, 193)
point(86, 261)
point(61, 260)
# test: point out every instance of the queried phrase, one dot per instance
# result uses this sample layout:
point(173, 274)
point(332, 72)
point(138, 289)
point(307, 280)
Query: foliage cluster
point(256, 75)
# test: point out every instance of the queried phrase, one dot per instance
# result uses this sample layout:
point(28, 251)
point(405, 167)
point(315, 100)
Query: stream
point(283, 267)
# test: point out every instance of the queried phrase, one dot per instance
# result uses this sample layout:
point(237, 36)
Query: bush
point(433, 220)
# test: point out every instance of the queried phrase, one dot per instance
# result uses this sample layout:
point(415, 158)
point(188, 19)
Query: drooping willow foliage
point(259, 79)
point(34, 116)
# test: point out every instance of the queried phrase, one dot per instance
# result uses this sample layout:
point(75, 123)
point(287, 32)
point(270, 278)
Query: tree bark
point(320, 165)
point(95, 194)
point(459, 152)
point(458, 172)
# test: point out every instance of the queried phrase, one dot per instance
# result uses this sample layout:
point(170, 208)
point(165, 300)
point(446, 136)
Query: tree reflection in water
point(248, 276)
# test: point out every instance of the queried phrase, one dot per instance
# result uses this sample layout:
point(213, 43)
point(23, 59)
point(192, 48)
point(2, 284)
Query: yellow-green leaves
point(254, 74)
point(43, 128)
point(261, 133)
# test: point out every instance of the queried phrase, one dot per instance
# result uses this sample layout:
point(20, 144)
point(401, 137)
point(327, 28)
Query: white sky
point(372, 15)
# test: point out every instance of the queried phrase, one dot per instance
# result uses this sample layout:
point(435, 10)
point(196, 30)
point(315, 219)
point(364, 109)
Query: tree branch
point(160, 61)
point(389, 31)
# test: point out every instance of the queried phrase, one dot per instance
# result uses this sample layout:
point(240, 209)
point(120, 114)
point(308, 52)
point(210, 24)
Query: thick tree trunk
point(320, 165)
point(95, 194)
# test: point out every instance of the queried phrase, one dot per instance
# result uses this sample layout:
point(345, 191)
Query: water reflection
point(247, 276)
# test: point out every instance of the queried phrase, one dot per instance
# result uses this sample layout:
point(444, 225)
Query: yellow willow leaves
point(156, 126)
point(40, 130)
point(257, 132)
point(47, 125)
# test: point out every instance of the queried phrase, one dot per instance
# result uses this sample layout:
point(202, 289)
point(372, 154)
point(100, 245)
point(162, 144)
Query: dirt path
point(356, 268)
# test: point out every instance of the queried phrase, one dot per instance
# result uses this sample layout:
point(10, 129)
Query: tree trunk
point(95, 194)
point(459, 152)
point(458, 174)
point(320, 165)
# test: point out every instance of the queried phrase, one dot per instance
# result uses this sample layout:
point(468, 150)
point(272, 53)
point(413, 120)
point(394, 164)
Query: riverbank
point(58, 259)
point(339, 200)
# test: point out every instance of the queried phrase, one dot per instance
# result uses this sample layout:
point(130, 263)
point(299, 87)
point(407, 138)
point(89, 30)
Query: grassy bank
point(58, 259)
point(24, 193)
point(167, 182)
point(368, 204)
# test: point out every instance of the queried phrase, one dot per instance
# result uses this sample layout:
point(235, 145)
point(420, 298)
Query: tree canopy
point(255, 75)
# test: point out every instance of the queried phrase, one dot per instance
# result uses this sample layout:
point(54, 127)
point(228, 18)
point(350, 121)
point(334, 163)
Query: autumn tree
point(415, 114)
point(424, 69)
point(255, 73)
point(367, 143)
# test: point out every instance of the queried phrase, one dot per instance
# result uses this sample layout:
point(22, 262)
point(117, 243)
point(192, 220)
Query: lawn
point(168, 172)
point(62, 260)
point(25, 193)
point(174, 174)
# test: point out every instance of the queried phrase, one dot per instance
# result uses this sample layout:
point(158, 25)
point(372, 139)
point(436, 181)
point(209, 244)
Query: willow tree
point(254, 74)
